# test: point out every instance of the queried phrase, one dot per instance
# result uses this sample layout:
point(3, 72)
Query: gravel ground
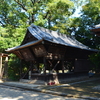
point(9, 93)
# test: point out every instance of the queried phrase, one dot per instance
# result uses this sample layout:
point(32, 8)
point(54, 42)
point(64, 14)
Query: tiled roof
point(52, 36)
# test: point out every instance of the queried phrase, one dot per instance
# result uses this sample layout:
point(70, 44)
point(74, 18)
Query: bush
point(95, 59)
point(14, 68)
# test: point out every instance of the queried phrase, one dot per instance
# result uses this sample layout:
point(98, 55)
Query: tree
point(11, 26)
point(81, 26)
point(16, 15)
point(46, 13)
point(91, 11)
point(10, 37)
point(94, 58)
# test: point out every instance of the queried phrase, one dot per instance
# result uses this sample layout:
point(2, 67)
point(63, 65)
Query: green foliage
point(95, 59)
point(14, 68)
point(10, 37)
point(91, 11)
point(46, 13)
point(81, 26)
point(16, 15)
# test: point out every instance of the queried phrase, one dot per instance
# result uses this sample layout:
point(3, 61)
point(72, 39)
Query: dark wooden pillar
point(38, 67)
point(30, 69)
point(6, 68)
point(21, 65)
point(62, 66)
point(31, 66)
point(45, 64)
point(57, 71)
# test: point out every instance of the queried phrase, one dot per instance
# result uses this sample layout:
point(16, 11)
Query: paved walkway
point(11, 93)
point(39, 88)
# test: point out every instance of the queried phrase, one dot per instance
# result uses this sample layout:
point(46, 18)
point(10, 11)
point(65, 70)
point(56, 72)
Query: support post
point(21, 64)
point(38, 68)
point(30, 70)
point(62, 66)
point(31, 65)
point(44, 65)
point(6, 68)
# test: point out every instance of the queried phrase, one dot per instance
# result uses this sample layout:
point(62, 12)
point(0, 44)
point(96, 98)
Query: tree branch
point(46, 15)
point(33, 2)
point(20, 5)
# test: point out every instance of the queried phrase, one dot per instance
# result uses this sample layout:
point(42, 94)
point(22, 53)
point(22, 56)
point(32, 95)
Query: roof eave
point(24, 46)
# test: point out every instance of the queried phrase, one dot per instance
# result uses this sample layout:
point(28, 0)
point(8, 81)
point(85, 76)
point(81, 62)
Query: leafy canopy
point(90, 16)
point(17, 15)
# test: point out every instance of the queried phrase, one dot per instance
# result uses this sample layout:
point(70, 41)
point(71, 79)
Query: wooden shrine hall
point(51, 55)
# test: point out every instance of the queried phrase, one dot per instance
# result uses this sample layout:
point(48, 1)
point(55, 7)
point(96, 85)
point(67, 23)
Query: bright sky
point(77, 12)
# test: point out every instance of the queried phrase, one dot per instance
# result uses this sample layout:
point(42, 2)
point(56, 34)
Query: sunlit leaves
point(90, 16)
point(10, 37)
point(16, 15)
point(92, 10)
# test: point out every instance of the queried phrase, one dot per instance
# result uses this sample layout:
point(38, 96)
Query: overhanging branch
point(21, 5)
